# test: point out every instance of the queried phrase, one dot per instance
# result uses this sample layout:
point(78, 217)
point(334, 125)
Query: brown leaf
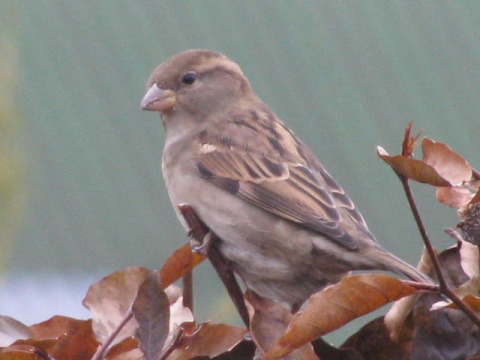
point(110, 299)
point(80, 344)
point(45, 345)
point(55, 326)
point(446, 162)
point(469, 258)
point(268, 322)
point(412, 169)
point(125, 349)
point(336, 305)
point(455, 196)
point(179, 314)
point(209, 341)
point(22, 352)
point(398, 320)
point(178, 264)
point(152, 311)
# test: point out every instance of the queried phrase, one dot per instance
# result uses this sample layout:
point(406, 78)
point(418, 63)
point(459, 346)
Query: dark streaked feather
point(274, 176)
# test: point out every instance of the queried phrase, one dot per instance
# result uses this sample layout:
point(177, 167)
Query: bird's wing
point(293, 191)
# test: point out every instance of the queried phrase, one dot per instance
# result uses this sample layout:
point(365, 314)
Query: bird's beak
point(157, 99)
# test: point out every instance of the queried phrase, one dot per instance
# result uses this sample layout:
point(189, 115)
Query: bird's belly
point(273, 256)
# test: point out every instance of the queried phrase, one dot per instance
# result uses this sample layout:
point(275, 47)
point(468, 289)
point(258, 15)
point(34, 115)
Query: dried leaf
point(151, 310)
point(178, 264)
point(209, 341)
point(412, 169)
point(125, 349)
point(80, 344)
point(455, 196)
point(396, 319)
point(268, 322)
point(469, 259)
point(22, 352)
point(110, 299)
point(336, 305)
point(55, 326)
point(446, 162)
point(180, 314)
point(45, 345)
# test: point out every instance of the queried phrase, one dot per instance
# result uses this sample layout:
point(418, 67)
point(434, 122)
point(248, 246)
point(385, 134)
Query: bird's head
point(197, 82)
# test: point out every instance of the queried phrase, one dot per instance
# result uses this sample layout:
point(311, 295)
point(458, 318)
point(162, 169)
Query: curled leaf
point(209, 341)
point(268, 321)
point(412, 169)
point(455, 196)
point(397, 318)
point(446, 162)
point(178, 264)
point(337, 305)
point(110, 299)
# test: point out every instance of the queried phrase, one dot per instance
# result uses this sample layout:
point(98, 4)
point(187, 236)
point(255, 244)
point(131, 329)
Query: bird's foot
point(202, 247)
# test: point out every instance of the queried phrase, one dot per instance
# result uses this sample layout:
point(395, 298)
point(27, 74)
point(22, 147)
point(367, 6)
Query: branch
point(443, 287)
point(422, 230)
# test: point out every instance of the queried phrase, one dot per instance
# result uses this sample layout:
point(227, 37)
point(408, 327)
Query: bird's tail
point(392, 263)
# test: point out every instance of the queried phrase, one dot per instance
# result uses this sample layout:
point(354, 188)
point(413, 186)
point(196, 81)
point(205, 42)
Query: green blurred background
point(84, 195)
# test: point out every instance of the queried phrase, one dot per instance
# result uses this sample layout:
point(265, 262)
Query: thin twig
point(423, 231)
point(188, 291)
point(100, 353)
point(443, 288)
point(462, 306)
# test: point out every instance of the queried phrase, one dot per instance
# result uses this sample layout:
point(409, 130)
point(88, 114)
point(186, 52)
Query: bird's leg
point(204, 237)
point(202, 247)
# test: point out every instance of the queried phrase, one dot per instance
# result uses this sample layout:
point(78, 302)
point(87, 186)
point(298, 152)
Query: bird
point(285, 225)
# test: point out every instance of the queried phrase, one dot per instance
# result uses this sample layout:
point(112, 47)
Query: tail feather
point(394, 264)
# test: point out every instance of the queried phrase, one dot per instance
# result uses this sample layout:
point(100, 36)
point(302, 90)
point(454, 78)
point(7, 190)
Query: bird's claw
point(202, 247)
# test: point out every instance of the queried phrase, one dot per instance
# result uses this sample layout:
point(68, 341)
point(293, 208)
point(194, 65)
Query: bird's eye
point(189, 78)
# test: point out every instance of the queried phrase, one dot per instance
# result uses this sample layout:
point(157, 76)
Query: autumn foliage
point(139, 313)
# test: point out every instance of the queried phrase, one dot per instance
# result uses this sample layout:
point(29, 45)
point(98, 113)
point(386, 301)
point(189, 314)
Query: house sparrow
point(285, 224)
